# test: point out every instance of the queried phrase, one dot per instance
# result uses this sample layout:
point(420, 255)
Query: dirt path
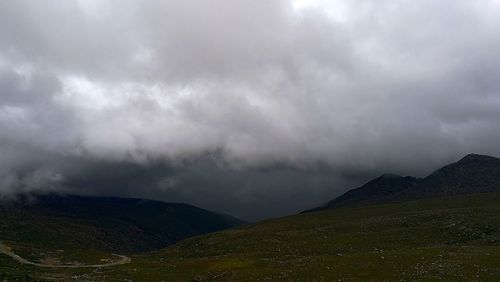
point(7, 251)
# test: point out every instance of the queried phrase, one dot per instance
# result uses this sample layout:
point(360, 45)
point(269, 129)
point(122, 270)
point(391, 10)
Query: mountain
point(445, 237)
point(378, 189)
point(472, 174)
point(440, 239)
point(105, 223)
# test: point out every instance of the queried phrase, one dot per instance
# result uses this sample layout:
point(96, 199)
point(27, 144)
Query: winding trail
point(7, 251)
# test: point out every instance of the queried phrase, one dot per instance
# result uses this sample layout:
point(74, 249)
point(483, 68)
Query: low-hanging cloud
point(296, 99)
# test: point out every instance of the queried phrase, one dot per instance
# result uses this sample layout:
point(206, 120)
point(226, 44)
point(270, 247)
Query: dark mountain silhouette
point(375, 190)
point(472, 174)
point(107, 223)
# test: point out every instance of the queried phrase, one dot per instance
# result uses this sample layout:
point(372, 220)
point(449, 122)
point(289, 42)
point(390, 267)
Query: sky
point(254, 108)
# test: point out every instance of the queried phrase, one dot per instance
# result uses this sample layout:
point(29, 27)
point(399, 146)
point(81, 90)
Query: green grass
point(439, 239)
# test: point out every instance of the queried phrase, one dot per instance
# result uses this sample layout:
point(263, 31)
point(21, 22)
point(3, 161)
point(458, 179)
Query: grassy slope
point(109, 224)
point(447, 238)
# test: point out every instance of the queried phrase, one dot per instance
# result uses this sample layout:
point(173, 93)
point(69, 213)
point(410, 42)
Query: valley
point(445, 226)
point(454, 238)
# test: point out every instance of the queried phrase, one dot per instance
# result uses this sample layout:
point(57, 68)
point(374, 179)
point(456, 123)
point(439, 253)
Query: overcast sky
point(256, 108)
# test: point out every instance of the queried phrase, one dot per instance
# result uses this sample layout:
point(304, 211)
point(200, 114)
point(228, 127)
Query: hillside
point(103, 223)
point(452, 239)
point(374, 191)
point(472, 174)
point(442, 227)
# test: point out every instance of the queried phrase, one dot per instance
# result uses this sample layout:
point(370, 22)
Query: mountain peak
point(476, 157)
point(474, 173)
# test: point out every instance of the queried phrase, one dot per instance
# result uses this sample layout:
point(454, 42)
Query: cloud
point(283, 92)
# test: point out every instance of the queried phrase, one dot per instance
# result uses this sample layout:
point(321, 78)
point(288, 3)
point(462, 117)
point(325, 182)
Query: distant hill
point(105, 223)
point(374, 191)
point(472, 174)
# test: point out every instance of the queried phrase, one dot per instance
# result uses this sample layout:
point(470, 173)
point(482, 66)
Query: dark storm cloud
point(297, 104)
point(249, 193)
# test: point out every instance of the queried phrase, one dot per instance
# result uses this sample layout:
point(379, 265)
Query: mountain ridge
point(128, 225)
point(474, 173)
